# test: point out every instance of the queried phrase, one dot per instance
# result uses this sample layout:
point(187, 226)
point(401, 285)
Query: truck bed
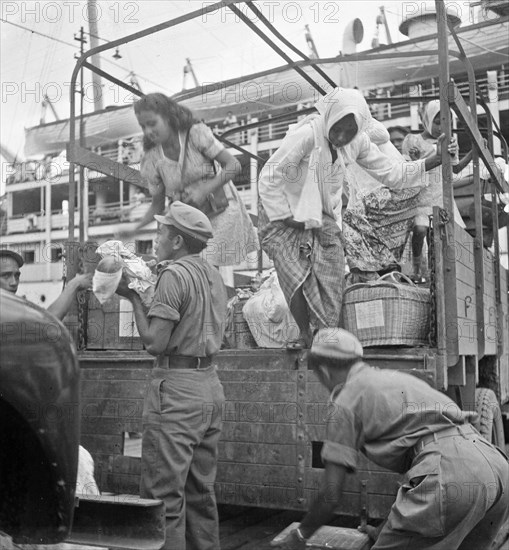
point(273, 425)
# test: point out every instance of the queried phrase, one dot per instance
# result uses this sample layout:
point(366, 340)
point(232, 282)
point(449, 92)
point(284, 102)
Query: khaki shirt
point(191, 293)
point(383, 413)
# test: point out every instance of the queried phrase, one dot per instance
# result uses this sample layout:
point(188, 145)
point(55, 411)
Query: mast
point(93, 16)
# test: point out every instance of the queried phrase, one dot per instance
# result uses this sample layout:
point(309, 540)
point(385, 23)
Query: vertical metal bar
point(72, 142)
point(448, 242)
point(82, 198)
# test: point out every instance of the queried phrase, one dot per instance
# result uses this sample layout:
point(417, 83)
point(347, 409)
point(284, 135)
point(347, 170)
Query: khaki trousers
point(455, 496)
point(181, 430)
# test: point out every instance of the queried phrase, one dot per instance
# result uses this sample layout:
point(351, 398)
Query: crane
point(8, 155)
point(188, 69)
point(45, 102)
point(313, 52)
point(381, 20)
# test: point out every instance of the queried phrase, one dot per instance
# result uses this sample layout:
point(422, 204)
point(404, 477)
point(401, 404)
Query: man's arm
point(62, 304)
point(322, 509)
point(329, 495)
point(154, 332)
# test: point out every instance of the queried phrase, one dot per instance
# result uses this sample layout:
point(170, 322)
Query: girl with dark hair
point(180, 155)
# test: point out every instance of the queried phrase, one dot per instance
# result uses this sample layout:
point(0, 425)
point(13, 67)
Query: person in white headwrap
point(422, 146)
point(300, 190)
point(378, 220)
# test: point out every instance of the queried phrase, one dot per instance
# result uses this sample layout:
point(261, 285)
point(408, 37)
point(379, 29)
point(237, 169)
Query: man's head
point(10, 263)
point(182, 231)
point(333, 352)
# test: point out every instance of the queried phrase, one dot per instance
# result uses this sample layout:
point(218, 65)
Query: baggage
point(331, 538)
point(387, 312)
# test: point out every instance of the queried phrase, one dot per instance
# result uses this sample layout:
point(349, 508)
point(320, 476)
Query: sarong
point(312, 259)
point(375, 233)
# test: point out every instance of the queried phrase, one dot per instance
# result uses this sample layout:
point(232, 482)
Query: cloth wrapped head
point(341, 102)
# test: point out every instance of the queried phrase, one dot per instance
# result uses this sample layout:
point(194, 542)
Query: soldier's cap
point(336, 343)
point(188, 220)
point(6, 253)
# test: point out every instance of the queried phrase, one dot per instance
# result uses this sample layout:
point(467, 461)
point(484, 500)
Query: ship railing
point(383, 110)
point(117, 212)
point(127, 211)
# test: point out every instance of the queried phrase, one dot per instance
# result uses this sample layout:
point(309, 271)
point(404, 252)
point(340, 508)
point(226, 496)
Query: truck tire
point(489, 424)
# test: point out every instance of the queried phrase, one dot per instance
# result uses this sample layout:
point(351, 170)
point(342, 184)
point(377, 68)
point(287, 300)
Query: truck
point(275, 416)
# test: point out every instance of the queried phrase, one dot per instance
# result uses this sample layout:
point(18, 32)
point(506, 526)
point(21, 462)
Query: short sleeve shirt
point(163, 173)
point(191, 293)
point(383, 413)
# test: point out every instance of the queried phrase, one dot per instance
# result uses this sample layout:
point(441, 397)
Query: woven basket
point(243, 337)
point(387, 312)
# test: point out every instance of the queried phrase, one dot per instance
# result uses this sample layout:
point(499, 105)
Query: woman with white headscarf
point(422, 146)
point(378, 220)
point(300, 190)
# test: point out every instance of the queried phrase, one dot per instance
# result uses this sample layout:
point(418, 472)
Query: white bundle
point(141, 279)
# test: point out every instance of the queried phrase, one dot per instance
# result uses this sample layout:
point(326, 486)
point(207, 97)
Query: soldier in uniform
point(455, 491)
point(183, 328)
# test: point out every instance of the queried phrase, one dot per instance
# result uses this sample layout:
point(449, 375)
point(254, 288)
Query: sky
point(38, 46)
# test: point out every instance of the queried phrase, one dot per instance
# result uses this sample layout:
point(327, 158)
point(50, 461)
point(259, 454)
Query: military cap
point(6, 253)
point(336, 343)
point(188, 220)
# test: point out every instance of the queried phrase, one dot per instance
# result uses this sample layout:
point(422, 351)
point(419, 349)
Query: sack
point(268, 316)
point(237, 334)
point(387, 312)
point(217, 201)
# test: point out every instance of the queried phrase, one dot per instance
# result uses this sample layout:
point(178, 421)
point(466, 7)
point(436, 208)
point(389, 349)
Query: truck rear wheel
point(489, 423)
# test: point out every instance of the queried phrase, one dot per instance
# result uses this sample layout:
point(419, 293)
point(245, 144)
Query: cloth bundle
point(141, 279)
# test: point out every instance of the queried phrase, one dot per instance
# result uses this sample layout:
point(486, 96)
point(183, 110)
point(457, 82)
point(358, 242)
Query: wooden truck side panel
point(274, 424)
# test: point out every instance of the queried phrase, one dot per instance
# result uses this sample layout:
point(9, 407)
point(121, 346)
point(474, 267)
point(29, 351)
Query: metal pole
point(82, 196)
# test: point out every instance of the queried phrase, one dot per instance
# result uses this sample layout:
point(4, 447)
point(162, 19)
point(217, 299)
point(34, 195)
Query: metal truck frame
point(274, 420)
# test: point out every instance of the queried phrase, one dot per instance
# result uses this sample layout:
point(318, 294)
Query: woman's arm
point(156, 207)
point(404, 174)
point(196, 192)
point(462, 163)
point(436, 160)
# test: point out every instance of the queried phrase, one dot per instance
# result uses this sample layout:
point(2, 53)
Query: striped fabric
point(312, 259)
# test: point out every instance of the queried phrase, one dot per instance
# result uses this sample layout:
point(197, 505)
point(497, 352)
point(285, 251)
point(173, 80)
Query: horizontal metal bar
point(111, 78)
point(92, 161)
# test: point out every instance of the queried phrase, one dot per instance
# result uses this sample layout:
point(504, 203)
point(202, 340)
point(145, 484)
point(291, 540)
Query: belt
point(465, 430)
point(185, 362)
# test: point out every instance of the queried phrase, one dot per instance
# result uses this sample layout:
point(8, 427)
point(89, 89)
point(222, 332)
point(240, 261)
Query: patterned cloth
point(378, 220)
point(375, 232)
point(234, 234)
point(313, 259)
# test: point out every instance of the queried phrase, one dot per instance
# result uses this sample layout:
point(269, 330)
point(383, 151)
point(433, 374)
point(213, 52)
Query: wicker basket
point(387, 312)
point(243, 337)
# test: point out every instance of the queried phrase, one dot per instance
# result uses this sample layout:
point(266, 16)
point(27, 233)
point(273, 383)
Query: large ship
point(36, 204)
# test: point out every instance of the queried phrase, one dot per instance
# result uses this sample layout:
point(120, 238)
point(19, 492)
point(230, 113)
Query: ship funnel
point(353, 35)
point(419, 18)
